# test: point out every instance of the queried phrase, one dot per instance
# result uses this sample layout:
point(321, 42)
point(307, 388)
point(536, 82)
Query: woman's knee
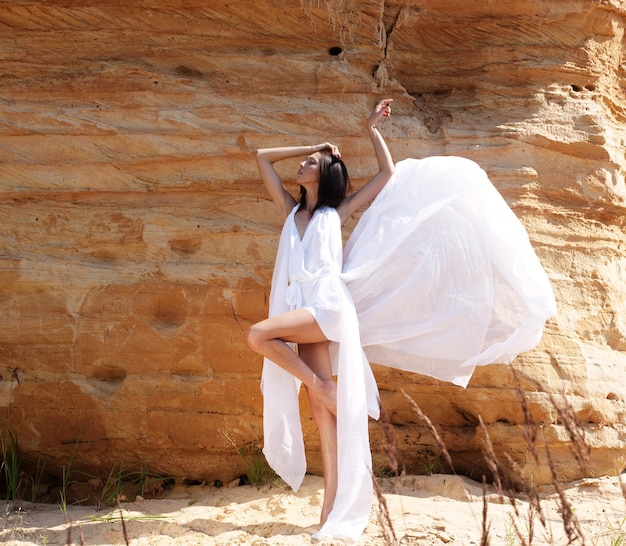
point(258, 335)
point(254, 338)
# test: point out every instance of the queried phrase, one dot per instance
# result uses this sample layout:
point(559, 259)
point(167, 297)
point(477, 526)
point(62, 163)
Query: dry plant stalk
point(485, 541)
point(500, 478)
point(530, 437)
point(570, 522)
point(433, 430)
point(124, 530)
point(390, 446)
point(69, 533)
point(534, 505)
point(565, 415)
point(490, 457)
point(579, 447)
point(384, 518)
point(530, 430)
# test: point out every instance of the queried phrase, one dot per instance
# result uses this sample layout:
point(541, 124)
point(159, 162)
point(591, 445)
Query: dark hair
point(334, 183)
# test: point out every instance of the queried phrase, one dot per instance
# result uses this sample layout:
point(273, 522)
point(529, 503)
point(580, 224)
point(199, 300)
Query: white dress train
point(438, 277)
point(442, 273)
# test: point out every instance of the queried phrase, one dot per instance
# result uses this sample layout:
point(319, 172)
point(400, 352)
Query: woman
point(320, 311)
point(438, 277)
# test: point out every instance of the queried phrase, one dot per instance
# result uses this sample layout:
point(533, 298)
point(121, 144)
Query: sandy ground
point(425, 510)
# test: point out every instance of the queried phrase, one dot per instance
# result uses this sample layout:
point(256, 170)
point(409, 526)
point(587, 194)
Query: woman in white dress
point(438, 277)
point(319, 307)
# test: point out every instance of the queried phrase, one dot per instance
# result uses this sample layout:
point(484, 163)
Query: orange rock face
point(137, 242)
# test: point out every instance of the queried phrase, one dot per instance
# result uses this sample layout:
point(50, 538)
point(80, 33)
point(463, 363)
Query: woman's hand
point(330, 148)
point(382, 109)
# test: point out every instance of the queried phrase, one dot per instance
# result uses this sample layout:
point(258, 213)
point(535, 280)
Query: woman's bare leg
point(312, 366)
point(270, 337)
point(318, 359)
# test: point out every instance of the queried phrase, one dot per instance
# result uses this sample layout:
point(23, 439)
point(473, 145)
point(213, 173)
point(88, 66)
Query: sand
point(425, 510)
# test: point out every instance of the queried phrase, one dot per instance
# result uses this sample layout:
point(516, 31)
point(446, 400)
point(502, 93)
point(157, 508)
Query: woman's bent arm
point(265, 159)
point(373, 187)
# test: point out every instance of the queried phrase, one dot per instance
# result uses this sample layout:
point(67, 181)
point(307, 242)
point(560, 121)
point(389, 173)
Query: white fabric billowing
point(307, 275)
point(439, 277)
point(442, 273)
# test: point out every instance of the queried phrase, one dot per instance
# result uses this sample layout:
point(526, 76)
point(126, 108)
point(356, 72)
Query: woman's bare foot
point(328, 395)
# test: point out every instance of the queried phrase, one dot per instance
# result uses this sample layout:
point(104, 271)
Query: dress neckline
point(302, 235)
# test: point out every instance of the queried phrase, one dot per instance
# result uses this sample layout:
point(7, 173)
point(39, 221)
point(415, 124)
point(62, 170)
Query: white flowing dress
point(438, 277)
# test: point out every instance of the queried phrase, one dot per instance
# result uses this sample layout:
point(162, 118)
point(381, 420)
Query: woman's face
point(309, 171)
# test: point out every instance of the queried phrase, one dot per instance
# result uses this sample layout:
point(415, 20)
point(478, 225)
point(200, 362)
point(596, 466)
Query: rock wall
point(138, 243)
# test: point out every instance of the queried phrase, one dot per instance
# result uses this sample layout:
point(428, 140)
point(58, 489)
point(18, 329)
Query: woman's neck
point(311, 201)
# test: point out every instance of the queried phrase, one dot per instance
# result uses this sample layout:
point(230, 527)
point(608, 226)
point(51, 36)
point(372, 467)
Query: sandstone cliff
point(137, 243)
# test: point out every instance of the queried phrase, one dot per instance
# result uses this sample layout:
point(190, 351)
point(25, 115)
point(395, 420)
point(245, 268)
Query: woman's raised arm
point(369, 191)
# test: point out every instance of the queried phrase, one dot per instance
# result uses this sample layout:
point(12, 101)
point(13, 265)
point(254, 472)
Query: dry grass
point(503, 473)
point(510, 490)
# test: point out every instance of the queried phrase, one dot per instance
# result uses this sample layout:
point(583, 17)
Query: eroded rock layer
point(137, 242)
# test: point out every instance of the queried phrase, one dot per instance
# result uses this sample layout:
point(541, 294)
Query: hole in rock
point(335, 50)
point(188, 71)
point(186, 246)
point(110, 374)
point(163, 307)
